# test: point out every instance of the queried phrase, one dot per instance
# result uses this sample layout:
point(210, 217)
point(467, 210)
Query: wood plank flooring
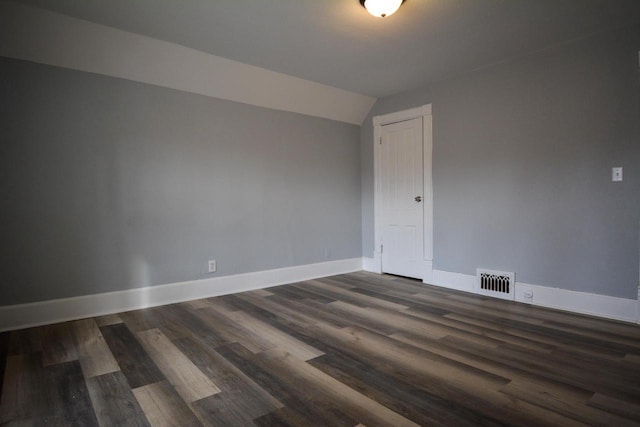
point(352, 350)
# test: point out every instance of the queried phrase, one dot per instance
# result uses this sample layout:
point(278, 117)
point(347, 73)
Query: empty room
point(320, 213)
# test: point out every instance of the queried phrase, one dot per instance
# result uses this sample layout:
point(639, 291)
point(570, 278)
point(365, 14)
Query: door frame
point(427, 147)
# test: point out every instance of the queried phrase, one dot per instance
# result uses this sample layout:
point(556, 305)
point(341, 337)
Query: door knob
point(418, 199)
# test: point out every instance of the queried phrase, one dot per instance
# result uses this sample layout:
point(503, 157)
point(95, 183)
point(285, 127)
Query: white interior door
point(402, 194)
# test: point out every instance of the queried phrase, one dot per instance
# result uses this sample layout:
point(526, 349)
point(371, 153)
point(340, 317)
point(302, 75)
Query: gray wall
point(522, 162)
point(108, 184)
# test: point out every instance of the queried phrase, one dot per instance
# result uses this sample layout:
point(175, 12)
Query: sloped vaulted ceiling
point(325, 58)
point(337, 43)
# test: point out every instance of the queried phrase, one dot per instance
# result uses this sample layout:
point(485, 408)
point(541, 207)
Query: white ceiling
point(336, 42)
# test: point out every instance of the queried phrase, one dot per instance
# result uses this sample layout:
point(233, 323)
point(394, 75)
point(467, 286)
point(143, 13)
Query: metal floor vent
point(498, 284)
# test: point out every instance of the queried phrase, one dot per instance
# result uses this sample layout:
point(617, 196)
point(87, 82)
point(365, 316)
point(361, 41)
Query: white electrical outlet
point(616, 174)
point(212, 266)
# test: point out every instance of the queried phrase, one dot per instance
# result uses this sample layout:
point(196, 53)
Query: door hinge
point(381, 248)
point(380, 140)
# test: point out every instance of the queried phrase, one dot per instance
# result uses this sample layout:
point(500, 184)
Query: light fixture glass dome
point(382, 8)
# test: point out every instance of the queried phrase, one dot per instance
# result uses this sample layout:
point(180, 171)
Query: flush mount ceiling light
point(381, 8)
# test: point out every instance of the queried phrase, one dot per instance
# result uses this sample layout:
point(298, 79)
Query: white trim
point(427, 272)
point(457, 281)
point(370, 265)
point(46, 37)
point(46, 312)
point(399, 116)
point(578, 302)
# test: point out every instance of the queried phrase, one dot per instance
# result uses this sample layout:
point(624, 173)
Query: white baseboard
point(373, 265)
point(578, 302)
point(457, 281)
point(369, 264)
point(21, 316)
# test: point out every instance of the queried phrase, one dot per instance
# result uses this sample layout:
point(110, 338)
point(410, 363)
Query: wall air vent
point(498, 284)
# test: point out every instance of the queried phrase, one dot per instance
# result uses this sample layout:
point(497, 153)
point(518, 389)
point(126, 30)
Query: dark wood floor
point(350, 350)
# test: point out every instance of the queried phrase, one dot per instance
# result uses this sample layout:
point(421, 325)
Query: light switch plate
point(616, 174)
